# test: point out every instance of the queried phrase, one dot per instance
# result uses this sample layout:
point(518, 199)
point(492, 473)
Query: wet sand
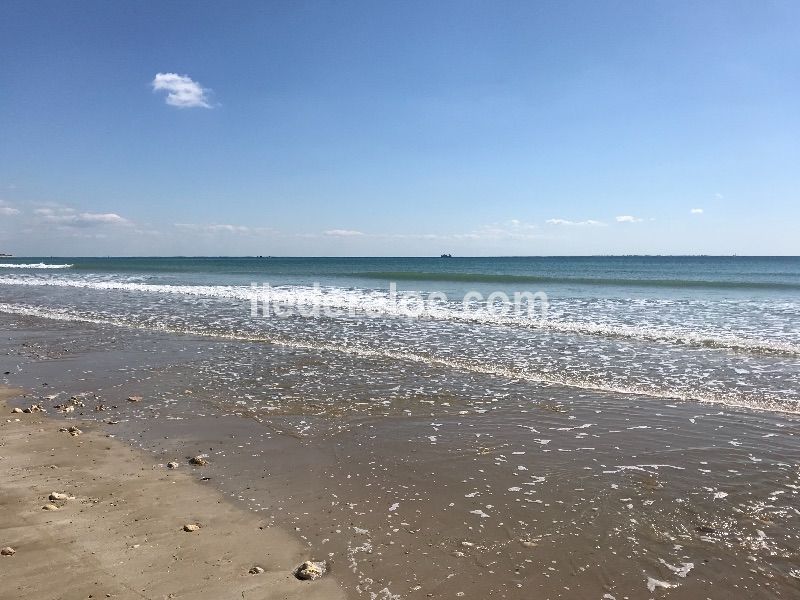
point(120, 534)
point(486, 488)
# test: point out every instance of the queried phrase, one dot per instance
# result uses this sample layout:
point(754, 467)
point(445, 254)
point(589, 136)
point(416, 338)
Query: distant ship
point(446, 256)
point(4, 255)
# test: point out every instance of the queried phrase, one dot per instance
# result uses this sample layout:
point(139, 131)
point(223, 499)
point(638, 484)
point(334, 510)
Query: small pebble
point(7, 551)
point(191, 527)
point(72, 430)
point(311, 570)
point(256, 571)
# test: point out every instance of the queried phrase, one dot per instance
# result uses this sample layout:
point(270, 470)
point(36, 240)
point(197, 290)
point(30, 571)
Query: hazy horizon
point(402, 256)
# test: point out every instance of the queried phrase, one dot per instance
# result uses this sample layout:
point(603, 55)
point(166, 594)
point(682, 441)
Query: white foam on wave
point(733, 400)
point(33, 266)
point(381, 303)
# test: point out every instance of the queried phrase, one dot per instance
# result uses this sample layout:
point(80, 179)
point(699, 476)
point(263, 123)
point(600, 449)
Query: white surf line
point(33, 266)
point(346, 299)
point(455, 364)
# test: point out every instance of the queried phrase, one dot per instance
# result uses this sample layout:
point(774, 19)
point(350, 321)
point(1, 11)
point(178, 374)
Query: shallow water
point(449, 482)
point(721, 330)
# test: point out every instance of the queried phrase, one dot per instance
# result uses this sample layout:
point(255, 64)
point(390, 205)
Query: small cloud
point(512, 229)
point(68, 217)
point(84, 219)
point(8, 211)
point(53, 212)
point(719, 196)
point(628, 219)
point(696, 211)
point(214, 227)
point(223, 228)
point(343, 233)
point(565, 222)
point(182, 91)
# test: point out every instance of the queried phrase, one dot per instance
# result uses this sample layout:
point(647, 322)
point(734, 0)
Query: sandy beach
point(119, 531)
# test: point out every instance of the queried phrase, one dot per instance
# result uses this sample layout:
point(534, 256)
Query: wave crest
point(33, 266)
point(731, 399)
point(374, 302)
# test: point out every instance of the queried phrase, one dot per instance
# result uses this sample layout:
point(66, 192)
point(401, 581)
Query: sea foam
point(381, 303)
point(33, 266)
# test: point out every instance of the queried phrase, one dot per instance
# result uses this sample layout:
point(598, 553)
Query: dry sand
point(122, 535)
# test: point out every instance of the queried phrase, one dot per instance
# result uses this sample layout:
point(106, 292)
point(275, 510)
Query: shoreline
point(121, 533)
point(459, 488)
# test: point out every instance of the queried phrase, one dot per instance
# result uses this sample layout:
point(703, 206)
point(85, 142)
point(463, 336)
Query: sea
point(709, 329)
point(600, 427)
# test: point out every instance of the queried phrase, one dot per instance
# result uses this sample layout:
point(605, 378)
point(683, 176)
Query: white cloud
point(223, 228)
point(507, 230)
point(628, 219)
point(696, 211)
point(69, 217)
point(719, 196)
point(8, 211)
point(51, 214)
point(343, 233)
point(420, 236)
point(588, 222)
point(99, 219)
point(512, 229)
point(182, 91)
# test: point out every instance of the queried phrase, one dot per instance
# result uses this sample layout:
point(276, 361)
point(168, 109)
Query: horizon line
point(274, 256)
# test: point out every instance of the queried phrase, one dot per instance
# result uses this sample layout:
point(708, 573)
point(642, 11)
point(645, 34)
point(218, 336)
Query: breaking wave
point(33, 266)
point(381, 303)
point(731, 399)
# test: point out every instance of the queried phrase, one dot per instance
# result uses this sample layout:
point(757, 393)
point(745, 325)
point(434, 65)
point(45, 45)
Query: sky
point(399, 128)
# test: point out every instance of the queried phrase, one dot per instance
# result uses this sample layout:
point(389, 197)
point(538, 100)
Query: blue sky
point(399, 128)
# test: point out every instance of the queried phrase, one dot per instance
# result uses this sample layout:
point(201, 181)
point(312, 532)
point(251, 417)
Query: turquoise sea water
point(706, 329)
point(710, 272)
